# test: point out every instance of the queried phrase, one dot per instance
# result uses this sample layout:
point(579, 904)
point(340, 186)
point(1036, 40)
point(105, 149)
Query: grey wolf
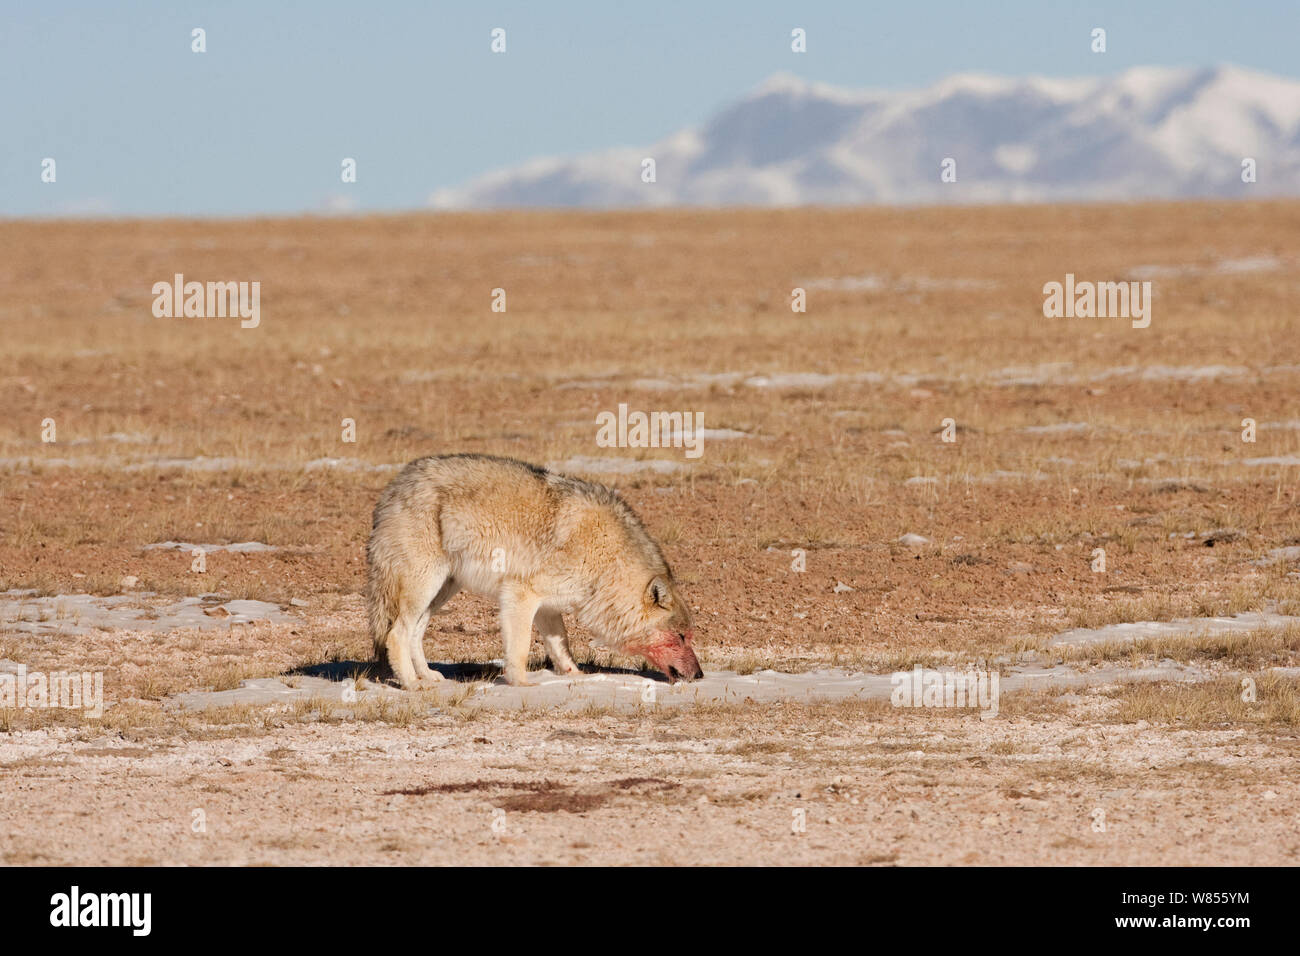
point(540, 545)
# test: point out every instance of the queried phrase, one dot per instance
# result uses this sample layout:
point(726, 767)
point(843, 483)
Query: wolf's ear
point(660, 593)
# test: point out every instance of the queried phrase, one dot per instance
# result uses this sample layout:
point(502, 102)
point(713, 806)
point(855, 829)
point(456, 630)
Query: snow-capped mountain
point(1151, 132)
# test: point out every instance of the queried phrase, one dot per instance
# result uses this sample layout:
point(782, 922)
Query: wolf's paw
point(518, 679)
point(430, 677)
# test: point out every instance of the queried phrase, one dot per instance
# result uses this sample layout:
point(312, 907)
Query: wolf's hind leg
point(409, 595)
point(397, 648)
point(551, 626)
point(421, 664)
point(415, 647)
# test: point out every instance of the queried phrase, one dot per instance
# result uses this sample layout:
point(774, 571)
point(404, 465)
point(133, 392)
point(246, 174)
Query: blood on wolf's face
point(668, 639)
point(671, 653)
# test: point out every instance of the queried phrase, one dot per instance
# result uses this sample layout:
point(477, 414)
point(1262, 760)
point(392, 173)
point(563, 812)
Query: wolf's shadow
point(465, 673)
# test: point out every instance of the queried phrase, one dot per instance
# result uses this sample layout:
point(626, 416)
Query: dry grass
point(1218, 704)
point(385, 320)
point(1262, 647)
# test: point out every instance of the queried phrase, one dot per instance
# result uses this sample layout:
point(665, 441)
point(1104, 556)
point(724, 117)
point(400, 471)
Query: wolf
point(540, 545)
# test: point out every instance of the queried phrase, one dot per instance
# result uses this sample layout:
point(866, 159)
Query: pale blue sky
point(141, 126)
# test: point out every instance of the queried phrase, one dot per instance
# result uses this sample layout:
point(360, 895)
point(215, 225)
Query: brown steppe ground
point(913, 317)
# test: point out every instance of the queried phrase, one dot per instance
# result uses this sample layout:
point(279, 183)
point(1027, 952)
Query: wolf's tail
point(381, 592)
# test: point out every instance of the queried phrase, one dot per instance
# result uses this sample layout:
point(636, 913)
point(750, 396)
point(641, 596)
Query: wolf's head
point(664, 634)
point(633, 602)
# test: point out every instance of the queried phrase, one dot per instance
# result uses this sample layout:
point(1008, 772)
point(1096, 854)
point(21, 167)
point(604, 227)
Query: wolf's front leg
point(551, 626)
point(518, 608)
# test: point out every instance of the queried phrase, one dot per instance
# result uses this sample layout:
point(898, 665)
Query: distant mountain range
point(1148, 133)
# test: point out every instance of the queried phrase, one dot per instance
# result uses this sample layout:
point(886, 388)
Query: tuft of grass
point(1149, 607)
point(1261, 647)
point(1214, 704)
